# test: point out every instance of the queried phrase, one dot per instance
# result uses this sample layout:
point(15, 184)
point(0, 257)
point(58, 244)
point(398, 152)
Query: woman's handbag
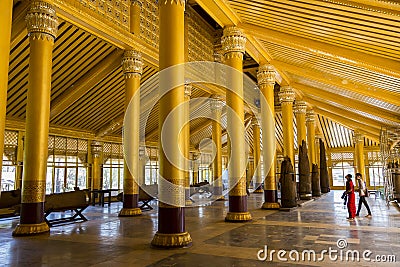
point(366, 191)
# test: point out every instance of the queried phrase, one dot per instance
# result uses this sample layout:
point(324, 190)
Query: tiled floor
point(107, 240)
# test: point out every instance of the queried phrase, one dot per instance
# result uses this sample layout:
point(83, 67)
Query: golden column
point(286, 96)
point(216, 111)
point(171, 217)
point(186, 127)
point(142, 166)
point(195, 162)
point(132, 66)
point(310, 124)
point(42, 24)
point(233, 44)
point(134, 22)
point(96, 149)
point(358, 140)
point(5, 33)
point(186, 132)
point(300, 111)
point(257, 155)
point(266, 81)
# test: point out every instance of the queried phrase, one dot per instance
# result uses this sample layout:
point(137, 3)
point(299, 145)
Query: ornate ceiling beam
point(343, 100)
point(69, 11)
point(386, 7)
point(349, 115)
point(84, 84)
point(351, 124)
point(220, 12)
point(115, 124)
point(339, 54)
point(255, 49)
point(336, 81)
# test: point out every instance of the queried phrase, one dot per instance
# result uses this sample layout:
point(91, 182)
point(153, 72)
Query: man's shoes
point(350, 219)
point(368, 216)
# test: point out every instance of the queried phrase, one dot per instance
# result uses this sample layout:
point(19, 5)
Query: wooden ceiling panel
point(349, 27)
point(362, 77)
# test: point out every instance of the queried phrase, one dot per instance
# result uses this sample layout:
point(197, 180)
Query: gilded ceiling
point(341, 57)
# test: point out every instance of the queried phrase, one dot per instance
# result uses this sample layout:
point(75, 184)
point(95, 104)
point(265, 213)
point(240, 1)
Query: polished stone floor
point(107, 240)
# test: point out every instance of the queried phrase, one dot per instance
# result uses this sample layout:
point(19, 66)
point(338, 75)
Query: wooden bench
point(74, 201)
point(10, 203)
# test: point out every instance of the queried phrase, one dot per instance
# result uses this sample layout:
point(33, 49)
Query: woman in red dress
point(351, 198)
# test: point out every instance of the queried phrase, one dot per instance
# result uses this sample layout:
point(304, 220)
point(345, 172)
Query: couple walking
point(351, 197)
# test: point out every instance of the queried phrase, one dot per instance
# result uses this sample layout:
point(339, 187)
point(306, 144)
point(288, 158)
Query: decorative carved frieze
point(233, 40)
point(216, 103)
point(300, 107)
point(188, 89)
point(132, 63)
point(310, 116)
point(286, 94)
point(41, 21)
point(266, 75)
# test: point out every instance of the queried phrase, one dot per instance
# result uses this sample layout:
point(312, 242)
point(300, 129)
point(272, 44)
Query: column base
point(129, 212)
point(271, 206)
point(31, 229)
point(188, 202)
point(305, 196)
point(238, 217)
point(177, 240)
point(259, 190)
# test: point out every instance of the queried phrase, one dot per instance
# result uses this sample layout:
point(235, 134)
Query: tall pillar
point(134, 22)
point(310, 123)
point(132, 67)
point(96, 149)
point(195, 162)
point(5, 33)
point(42, 24)
point(300, 111)
point(186, 133)
point(257, 156)
point(266, 81)
point(233, 44)
point(216, 110)
point(142, 166)
point(359, 153)
point(286, 96)
point(20, 159)
point(171, 217)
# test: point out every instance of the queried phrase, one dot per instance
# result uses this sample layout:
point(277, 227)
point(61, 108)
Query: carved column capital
point(96, 148)
point(358, 137)
point(216, 103)
point(132, 64)
point(266, 75)
point(286, 94)
point(255, 121)
point(300, 107)
point(233, 40)
point(136, 2)
point(42, 21)
point(310, 116)
point(178, 2)
point(217, 56)
point(188, 89)
point(142, 152)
